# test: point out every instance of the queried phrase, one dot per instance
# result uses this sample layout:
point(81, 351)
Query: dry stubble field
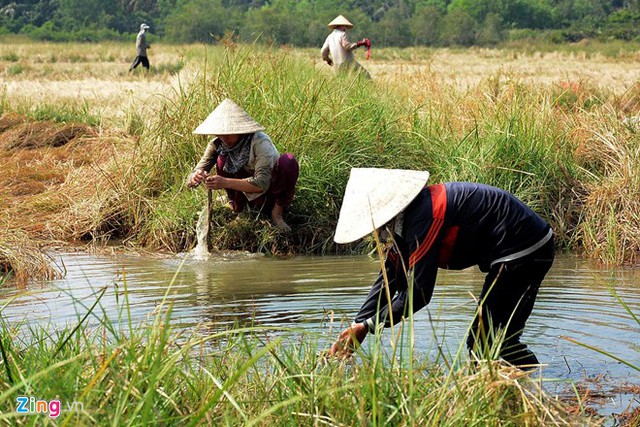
point(96, 75)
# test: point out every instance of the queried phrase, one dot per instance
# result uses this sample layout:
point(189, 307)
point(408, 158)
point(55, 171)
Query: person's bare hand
point(215, 182)
point(196, 178)
point(330, 62)
point(348, 341)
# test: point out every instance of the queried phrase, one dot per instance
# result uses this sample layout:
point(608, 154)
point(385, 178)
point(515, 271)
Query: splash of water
point(201, 251)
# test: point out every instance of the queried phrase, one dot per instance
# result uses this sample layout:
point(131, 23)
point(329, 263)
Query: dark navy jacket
point(454, 226)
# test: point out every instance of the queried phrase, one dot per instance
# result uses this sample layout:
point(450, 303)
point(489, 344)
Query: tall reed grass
point(609, 155)
point(560, 147)
point(333, 124)
point(505, 133)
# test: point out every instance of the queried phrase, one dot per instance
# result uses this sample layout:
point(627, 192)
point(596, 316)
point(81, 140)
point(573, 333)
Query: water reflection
point(274, 292)
point(575, 301)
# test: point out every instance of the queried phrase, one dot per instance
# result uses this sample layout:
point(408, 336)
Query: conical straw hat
point(373, 197)
point(228, 119)
point(340, 20)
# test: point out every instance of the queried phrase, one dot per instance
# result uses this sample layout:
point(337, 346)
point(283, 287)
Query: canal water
point(576, 301)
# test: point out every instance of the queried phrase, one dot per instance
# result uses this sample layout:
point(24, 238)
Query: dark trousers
point(140, 60)
point(506, 301)
point(281, 190)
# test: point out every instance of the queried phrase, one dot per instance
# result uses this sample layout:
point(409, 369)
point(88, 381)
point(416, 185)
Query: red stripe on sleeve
point(439, 207)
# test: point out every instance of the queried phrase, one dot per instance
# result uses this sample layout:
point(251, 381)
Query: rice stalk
point(21, 258)
point(611, 208)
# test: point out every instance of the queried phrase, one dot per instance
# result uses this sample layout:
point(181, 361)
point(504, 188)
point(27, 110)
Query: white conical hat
point(373, 197)
point(228, 119)
point(340, 20)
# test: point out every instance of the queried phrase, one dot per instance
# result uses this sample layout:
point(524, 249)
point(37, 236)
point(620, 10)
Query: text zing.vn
point(31, 405)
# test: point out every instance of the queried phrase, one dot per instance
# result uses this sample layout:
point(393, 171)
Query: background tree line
point(304, 22)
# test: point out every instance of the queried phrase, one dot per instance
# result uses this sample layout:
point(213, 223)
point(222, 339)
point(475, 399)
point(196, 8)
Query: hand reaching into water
point(348, 341)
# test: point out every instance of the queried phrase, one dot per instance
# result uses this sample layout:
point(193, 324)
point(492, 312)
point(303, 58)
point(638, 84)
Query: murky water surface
point(576, 301)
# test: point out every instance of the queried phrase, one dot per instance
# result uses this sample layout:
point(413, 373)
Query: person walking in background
point(248, 165)
point(454, 225)
point(141, 49)
point(338, 50)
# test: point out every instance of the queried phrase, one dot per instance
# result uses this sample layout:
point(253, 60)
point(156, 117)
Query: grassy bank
point(556, 147)
point(113, 372)
point(558, 143)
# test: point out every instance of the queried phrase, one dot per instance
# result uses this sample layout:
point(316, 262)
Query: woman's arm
point(204, 166)
point(215, 182)
point(265, 155)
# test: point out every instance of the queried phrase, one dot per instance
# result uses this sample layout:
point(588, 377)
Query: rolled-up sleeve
point(405, 299)
point(345, 43)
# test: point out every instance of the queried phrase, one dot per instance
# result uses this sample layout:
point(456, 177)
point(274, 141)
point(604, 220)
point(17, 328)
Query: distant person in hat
point(248, 165)
point(454, 225)
point(338, 50)
point(141, 49)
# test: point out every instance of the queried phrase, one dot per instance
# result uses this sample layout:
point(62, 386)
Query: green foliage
point(166, 68)
point(426, 26)
point(476, 9)
point(49, 32)
point(526, 13)
point(459, 28)
point(303, 23)
point(10, 57)
point(514, 13)
point(15, 69)
point(80, 13)
point(491, 32)
point(623, 25)
point(134, 123)
point(393, 29)
point(196, 21)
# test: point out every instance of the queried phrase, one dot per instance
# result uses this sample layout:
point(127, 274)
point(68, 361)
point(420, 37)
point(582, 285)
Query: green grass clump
point(173, 68)
point(333, 124)
point(560, 147)
point(14, 69)
point(330, 126)
point(10, 57)
point(59, 113)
